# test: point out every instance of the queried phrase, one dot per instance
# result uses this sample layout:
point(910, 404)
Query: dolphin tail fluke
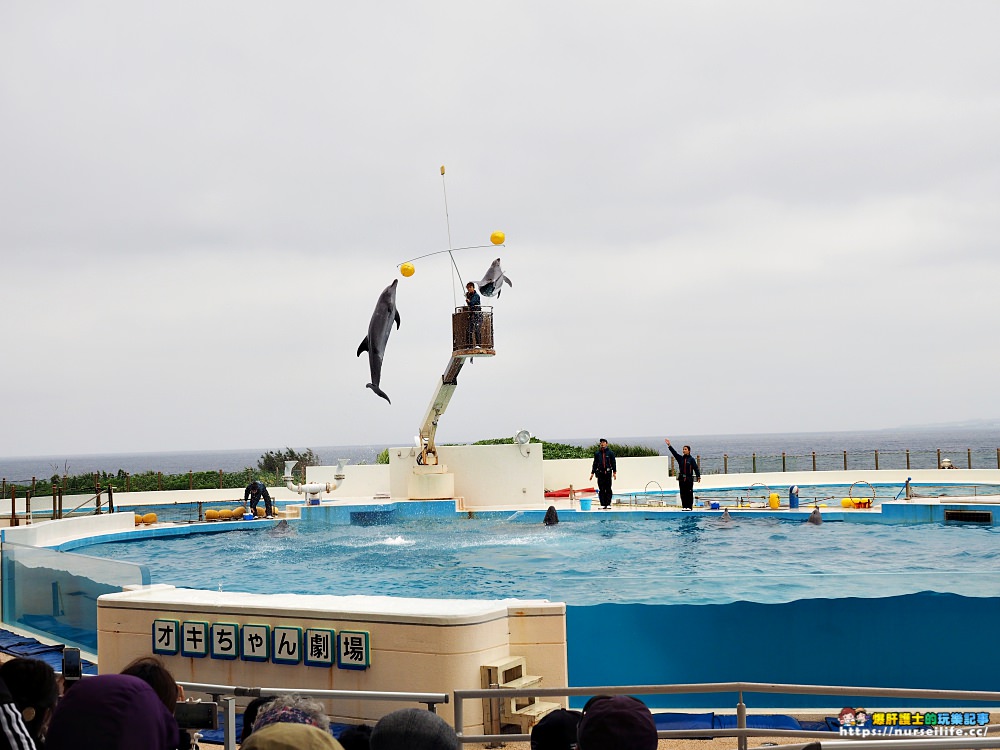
point(378, 391)
point(363, 347)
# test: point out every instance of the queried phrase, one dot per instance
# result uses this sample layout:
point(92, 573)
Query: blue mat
point(711, 720)
point(30, 648)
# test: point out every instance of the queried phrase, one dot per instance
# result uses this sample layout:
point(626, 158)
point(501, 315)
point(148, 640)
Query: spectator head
point(414, 729)
point(35, 690)
point(618, 722)
point(286, 736)
point(250, 714)
point(292, 709)
point(112, 712)
point(356, 738)
point(150, 670)
point(556, 730)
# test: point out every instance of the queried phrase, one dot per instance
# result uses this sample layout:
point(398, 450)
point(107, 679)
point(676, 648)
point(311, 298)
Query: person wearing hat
point(947, 464)
point(413, 729)
point(556, 730)
point(606, 469)
point(618, 722)
point(289, 736)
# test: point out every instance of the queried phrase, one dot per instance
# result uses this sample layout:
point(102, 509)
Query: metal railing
point(741, 732)
point(225, 696)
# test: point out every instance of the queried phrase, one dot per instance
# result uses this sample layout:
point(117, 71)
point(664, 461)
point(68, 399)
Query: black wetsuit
point(604, 467)
point(475, 319)
point(687, 470)
point(254, 492)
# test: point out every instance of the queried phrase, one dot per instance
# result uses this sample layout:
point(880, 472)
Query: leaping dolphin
point(492, 282)
point(378, 335)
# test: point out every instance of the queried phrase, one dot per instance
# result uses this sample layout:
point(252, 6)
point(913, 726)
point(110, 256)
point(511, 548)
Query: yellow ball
point(211, 514)
point(225, 514)
point(407, 269)
point(847, 503)
point(238, 512)
point(497, 238)
point(138, 520)
point(149, 518)
point(260, 512)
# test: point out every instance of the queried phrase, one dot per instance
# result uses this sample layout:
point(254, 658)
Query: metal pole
point(190, 479)
point(782, 460)
point(908, 459)
point(228, 705)
point(876, 460)
point(754, 459)
point(969, 453)
point(725, 461)
point(128, 482)
point(814, 460)
point(741, 722)
point(845, 460)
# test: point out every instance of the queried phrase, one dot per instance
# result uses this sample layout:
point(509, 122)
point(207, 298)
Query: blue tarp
point(30, 648)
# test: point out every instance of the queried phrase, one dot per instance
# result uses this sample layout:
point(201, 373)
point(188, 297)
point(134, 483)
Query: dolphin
point(725, 517)
point(815, 517)
point(378, 335)
point(492, 282)
point(281, 529)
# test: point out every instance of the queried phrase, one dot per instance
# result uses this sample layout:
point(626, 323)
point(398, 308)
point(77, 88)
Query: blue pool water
point(661, 600)
point(617, 559)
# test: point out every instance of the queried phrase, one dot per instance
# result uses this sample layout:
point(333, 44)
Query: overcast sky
point(720, 218)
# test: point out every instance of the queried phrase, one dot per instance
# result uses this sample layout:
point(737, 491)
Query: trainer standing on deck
point(687, 474)
point(254, 492)
point(606, 469)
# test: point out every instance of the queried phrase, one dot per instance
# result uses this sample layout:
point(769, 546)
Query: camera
point(202, 715)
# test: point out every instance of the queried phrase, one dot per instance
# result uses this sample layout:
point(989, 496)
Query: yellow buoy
point(407, 269)
point(149, 518)
point(211, 514)
point(847, 503)
point(497, 238)
point(774, 501)
point(225, 514)
point(138, 520)
point(260, 512)
point(239, 511)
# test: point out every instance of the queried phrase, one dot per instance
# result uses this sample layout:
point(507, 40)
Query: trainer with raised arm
point(606, 469)
point(687, 474)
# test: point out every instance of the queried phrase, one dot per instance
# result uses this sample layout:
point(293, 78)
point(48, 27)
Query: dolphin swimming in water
point(492, 282)
point(378, 335)
point(815, 517)
point(725, 517)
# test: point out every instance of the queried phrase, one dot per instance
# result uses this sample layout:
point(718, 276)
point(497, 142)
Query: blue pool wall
point(924, 640)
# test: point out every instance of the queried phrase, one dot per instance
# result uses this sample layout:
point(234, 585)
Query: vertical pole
point(220, 479)
point(908, 459)
point(845, 460)
point(814, 460)
point(229, 723)
point(998, 458)
point(128, 482)
point(33, 484)
point(938, 459)
point(27, 509)
point(725, 461)
point(97, 494)
point(13, 506)
point(754, 463)
point(55, 491)
point(782, 460)
point(876, 460)
point(190, 479)
point(159, 480)
point(741, 722)
point(111, 499)
point(60, 502)
point(3, 492)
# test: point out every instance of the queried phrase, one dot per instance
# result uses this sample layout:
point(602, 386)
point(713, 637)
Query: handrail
point(431, 700)
point(741, 731)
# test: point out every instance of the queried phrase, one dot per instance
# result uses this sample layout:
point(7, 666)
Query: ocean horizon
point(733, 453)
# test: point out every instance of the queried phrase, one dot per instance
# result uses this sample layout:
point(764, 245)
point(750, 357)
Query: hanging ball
point(407, 269)
point(497, 238)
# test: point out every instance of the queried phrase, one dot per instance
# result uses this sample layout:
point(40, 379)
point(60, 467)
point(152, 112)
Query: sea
point(911, 447)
